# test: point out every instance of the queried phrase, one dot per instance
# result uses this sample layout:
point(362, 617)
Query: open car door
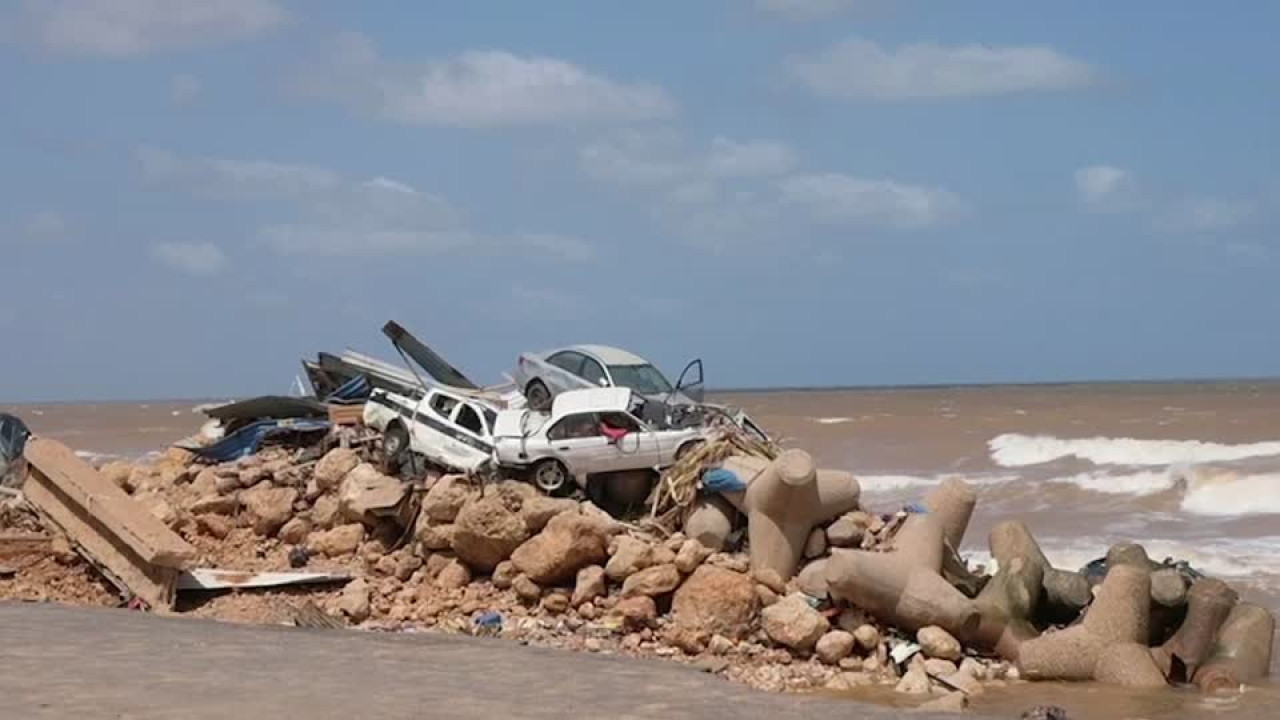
point(690, 383)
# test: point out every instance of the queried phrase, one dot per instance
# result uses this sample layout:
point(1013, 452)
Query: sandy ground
point(61, 662)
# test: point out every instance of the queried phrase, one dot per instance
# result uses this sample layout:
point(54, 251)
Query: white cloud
point(845, 200)
point(118, 28)
point(757, 158)
point(858, 69)
point(479, 89)
point(319, 212)
point(184, 89)
point(658, 158)
point(1206, 214)
point(44, 227)
point(808, 9)
point(200, 259)
point(1106, 188)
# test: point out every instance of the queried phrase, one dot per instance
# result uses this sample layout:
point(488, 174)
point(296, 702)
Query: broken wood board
point(346, 414)
point(215, 579)
point(132, 547)
point(23, 543)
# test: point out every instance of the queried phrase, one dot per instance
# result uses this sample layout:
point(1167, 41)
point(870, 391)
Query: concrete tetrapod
point(1102, 646)
point(783, 501)
point(904, 586)
point(1066, 593)
point(710, 521)
point(1209, 602)
point(1242, 653)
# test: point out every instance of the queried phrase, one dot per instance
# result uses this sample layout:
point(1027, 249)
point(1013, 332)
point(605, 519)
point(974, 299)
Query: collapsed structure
point(744, 558)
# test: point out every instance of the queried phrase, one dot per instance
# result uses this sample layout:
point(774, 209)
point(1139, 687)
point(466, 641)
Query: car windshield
point(644, 379)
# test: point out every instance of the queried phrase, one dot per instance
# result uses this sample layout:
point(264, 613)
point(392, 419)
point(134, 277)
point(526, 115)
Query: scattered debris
point(212, 579)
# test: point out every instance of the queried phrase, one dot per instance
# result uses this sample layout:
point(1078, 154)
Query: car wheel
point(395, 442)
point(538, 396)
point(551, 477)
point(687, 448)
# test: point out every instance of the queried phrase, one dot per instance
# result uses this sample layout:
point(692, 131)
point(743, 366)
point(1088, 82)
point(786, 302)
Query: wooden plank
point(346, 414)
point(116, 512)
point(133, 548)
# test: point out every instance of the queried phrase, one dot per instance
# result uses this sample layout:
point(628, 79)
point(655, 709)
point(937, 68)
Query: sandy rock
point(556, 603)
point(227, 484)
point(766, 596)
point(354, 601)
point(526, 589)
point(268, 508)
point(170, 476)
point(538, 509)
point(324, 512)
point(630, 555)
point(215, 526)
point(406, 565)
point(914, 682)
point(871, 664)
point(770, 579)
point(295, 531)
point(847, 531)
point(868, 637)
point(158, 506)
point(445, 499)
point(205, 482)
point(816, 545)
point(251, 476)
point(488, 531)
point(719, 644)
point(662, 555)
point(504, 574)
point(436, 563)
point(690, 555)
point(385, 565)
point(453, 576)
point(342, 540)
point(216, 505)
point(589, 585)
point(736, 562)
point(955, 702)
point(794, 623)
point(436, 537)
point(117, 473)
point(939, 667)
point(812, 579)
point(653, 581)
point(638, 611)
point(717, 601)
point(333, 467)
point(834, 646)
point(849, 681)
point(964, 682)
point(938, 643)
point(675, 541)
point(567, 544)
point(974, 669)
point(365, 493)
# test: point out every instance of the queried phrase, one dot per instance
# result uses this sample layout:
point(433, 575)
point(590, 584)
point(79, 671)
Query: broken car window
point(644, 379)
point(468, 418)
point(583, 425)
point(620, 421)
point(443, 405)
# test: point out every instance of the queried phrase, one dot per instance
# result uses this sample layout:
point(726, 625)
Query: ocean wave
point(1226, 557)
point(886, 483)
point(832, 420)
point(1016, 450)
point(1139, 483)
point(1215, 491)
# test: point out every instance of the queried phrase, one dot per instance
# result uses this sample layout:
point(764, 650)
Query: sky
point(197, 194)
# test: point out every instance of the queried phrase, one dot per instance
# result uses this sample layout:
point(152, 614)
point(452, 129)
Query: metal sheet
point(215, 579)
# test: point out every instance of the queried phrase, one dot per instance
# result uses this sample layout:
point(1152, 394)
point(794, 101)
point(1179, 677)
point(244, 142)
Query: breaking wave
point(1016, 450)
point(1213, 491)
point(1235, 557)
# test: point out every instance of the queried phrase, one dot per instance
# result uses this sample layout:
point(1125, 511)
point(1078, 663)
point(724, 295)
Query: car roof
point(594, 399)
point(611, 355)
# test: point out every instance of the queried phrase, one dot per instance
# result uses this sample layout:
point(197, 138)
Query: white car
point(587, 433)
point(452, 429)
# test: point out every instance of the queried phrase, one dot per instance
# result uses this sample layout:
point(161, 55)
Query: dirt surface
point(76, 663)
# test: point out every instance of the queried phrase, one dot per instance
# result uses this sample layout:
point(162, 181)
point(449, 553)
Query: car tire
point(537, 395)
point(552, 477)
point(687, 448)
point(395, 444)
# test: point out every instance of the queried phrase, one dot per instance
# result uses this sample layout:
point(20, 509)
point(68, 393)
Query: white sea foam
point(1139, 483)
point(1016, 450)
point(95, 458)
point(886, 483)
point(1211, 491)
point(832, 420)
point(1235, 558)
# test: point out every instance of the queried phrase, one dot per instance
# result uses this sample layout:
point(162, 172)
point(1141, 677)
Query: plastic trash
point(721, 480)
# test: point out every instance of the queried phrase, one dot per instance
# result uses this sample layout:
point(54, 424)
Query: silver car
point(542, 376)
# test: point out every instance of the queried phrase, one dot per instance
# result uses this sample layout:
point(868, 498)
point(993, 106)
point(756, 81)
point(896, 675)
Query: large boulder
point(716, 601)
point(333, 467)
point(794, 623)
point(269, 508)
point(569, 542)
point(117, 473)
point(538, 510)
point(365, 494)
point(445, 499)
point(324, 512)
point(630, 556)
point(938, 643)
point(488, 530)
point(590, 584)
point(354, 601)
point(339, 541)
point(652, 581)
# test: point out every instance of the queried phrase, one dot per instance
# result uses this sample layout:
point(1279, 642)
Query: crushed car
point(541, 376)
point(586, 436)
point(448, 428)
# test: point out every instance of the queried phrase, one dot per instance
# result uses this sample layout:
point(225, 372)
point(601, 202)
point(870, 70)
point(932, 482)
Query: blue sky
point(198, 193)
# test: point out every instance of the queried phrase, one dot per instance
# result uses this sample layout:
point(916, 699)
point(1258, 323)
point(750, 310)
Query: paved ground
point(59, 662)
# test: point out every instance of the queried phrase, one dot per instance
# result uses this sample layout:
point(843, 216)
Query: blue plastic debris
point(721, 480)
point(248, 439)
point(917, 508)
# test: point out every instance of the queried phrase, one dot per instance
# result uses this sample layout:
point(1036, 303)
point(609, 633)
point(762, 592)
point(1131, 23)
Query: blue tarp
point(355, 390)
point(249, 438)
point(721, 480)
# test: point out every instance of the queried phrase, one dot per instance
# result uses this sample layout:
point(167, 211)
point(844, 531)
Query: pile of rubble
point(778, 578)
